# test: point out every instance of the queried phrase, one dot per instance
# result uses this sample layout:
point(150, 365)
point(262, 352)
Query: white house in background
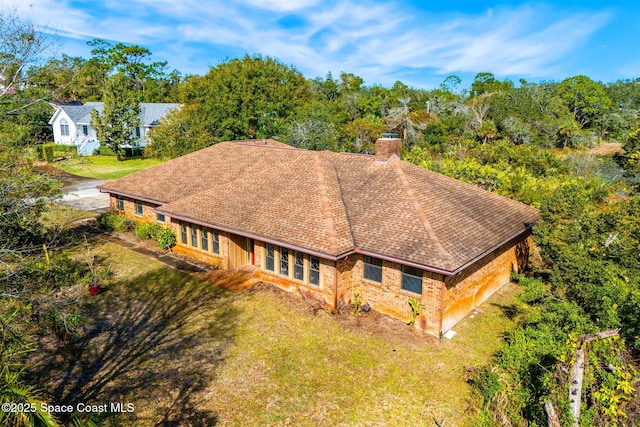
point(72, 124)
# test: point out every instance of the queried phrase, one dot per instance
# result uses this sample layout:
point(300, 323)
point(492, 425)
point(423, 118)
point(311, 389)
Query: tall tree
point(148, 79)
point(119, 119)
point(487, 83)
point(585, 99)
point(252, 97)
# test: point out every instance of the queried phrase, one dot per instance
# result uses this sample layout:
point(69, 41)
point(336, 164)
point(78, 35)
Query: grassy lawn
point(105, 167)
point(186, 352)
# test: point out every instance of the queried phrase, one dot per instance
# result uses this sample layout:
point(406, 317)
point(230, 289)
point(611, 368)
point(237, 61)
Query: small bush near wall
point(147, 230)
point(164, 236)
point(119, 223)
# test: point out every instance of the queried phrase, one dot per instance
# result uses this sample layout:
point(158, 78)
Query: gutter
point(252, 236)
point(144, 199)
point(528, 227)
point(405, 262)
point(324, 255)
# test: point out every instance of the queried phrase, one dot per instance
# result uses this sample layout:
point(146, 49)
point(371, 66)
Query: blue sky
point(417, 42)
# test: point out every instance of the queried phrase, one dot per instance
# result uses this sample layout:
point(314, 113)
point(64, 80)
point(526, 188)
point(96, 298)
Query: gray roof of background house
point(150, 113)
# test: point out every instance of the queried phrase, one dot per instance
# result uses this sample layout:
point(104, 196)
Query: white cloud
point(283, 5)
point(374, 40)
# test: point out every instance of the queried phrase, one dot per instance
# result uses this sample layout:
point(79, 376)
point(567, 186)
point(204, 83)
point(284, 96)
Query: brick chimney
point(387, 146)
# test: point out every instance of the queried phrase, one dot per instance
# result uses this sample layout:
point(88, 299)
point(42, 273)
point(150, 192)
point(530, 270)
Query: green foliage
point(24, 196)
point(115, 222)
point(119, 118)
point(614, 382)
point(313, 128)
point(146, 81)
point(630, 160)
point(39, 149)
point(48, 152)
point(164, 236)
point(356, 303)
point(180, 132)
point(416, 307)
point(486, 382)
point(63, 324)
point(64, 150)
point(585, 99)
point(486, 83)
point(247, 98)
point(147, 230)
point(13, 390)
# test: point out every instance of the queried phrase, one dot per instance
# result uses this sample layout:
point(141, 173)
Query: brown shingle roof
point(332, 203)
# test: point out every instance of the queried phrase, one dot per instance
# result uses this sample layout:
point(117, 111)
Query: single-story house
point(72, 124)
point(333, 225)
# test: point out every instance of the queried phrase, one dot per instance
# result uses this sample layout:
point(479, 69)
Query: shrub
point(65, 150)
point(48, 152)
point(39, 152)
point(114, 222)
point(63, 324)
point(165, 238)
point(147, 230)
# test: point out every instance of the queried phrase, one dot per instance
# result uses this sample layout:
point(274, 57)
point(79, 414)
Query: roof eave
point(132, 196)
point(254, 236)
point(402, 261)
point(527, 229)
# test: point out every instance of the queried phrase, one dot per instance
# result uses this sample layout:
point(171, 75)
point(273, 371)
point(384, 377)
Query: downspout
point(335, 287)
point(442, 291)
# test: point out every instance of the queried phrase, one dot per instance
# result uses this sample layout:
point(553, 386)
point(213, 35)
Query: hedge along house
point(333, 225)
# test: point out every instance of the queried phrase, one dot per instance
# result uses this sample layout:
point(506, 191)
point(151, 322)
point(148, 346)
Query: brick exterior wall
point(148, 209)
point(388, 297)
point(480, 280)
point(206, 255)
point(324, 293)
point(445, 300)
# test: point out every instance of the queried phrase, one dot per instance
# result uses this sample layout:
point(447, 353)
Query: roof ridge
point(329, 226)
point(416, 204)
point(344, 205)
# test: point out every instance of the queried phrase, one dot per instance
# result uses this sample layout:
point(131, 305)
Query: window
point(120, 203)
point(160, 217)
point(314, 270)
point(284, 262)
point(373, 269)
point(85, 130)
point(64, 127)
point(270, 258)
point(298, 265)
point(138, 208)
point(216, 242)
point(204, 239)
point(137, 132)
point(412, 279)
point(183, 229)
point(194, 236)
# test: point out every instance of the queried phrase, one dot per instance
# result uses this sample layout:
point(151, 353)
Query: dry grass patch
point(185, 352)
